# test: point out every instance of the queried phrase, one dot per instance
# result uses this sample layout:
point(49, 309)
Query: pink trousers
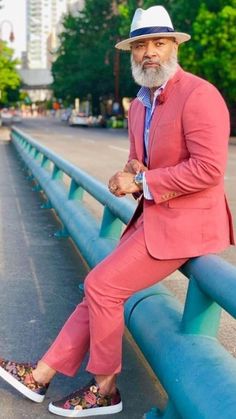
point(97, 323)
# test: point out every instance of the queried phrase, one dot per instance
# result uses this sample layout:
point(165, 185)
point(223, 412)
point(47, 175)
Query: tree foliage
point(211, 53)
point(9, 78)
point(85, 64)
point(87, 60)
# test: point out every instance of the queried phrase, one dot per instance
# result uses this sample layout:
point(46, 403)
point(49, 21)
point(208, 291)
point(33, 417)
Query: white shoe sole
point(38, 398)
point(93, 411)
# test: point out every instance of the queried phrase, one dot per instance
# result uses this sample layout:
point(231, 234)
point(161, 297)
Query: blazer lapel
point(162, 99)
point(138, 130)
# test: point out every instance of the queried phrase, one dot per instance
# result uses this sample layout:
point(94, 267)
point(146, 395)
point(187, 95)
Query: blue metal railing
point(180, 344)
point(48, 170)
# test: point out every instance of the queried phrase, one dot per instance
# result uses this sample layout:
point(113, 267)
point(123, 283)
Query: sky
point(15, 12)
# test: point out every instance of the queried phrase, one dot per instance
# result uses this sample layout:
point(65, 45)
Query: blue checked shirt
point(144, 96)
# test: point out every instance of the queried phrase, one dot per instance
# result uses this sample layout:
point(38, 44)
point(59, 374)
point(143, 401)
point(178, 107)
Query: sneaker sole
point(38, 398)
point(94, 411)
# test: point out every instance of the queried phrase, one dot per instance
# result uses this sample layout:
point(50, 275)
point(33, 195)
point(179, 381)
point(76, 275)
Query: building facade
point(43, 17)
point(43, 26)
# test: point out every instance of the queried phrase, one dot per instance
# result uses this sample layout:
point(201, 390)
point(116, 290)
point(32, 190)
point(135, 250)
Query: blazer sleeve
point(206, 127)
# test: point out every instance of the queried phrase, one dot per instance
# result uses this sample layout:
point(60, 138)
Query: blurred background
point(57, 57)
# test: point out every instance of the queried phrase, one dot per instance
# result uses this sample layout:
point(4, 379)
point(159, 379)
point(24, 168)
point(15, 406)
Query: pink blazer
point(189, 215)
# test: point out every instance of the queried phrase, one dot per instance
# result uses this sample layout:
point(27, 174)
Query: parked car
point(16, 117)
point(10, 116)
point(6, 116)
point(78, 119)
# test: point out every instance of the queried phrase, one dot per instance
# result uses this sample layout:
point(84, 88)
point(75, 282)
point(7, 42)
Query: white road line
point(86, 140)
point(126, 150)
point(37, 286)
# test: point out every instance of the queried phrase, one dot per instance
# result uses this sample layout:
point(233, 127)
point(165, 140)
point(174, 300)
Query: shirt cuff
point(146, 192)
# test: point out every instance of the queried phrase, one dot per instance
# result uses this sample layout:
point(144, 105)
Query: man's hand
point(122, 183)
point(134, 166)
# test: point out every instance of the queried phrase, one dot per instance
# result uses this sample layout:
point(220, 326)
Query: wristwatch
point(138, 179)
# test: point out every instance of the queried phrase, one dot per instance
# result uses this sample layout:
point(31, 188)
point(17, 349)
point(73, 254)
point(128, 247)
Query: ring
point(113, 188)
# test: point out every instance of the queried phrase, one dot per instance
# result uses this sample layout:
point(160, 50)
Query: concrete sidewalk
point(39, 280)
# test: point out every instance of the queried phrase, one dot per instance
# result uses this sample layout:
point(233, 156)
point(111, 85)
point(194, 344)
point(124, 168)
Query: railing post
point(62, 233)
point(76, 191)
point(45, 163)
point(201, 314)
point(37, 154)
point(169, 413)
point(32, 151)
point(111, 226)
point(46, 205)
point(28, 148)
point(37, 187)
point(57, 173)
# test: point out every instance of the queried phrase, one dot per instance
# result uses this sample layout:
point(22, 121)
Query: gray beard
point(154, 77)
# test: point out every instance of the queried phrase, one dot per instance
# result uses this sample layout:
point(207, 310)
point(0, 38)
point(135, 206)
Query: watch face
point(139, 178)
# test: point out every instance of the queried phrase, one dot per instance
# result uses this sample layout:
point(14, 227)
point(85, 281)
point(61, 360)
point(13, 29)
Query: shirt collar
point(143, 95)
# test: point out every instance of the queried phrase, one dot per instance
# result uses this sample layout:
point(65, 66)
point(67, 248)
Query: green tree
point(9, 78)
point(87, 62)
point(183, 13)
point(86, 55)
point(211, 52)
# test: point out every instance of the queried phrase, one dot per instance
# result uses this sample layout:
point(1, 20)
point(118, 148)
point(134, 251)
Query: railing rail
point(198, 374)
point(98, 190)
point(48, 170)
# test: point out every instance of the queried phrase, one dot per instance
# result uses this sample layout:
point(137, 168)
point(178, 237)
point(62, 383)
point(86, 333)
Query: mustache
point(148, 61)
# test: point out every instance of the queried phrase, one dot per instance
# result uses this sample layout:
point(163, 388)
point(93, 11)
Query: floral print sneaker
point(87, 402)
point(21, 378)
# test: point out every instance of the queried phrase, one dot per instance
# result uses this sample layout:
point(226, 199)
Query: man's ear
point(176, 45)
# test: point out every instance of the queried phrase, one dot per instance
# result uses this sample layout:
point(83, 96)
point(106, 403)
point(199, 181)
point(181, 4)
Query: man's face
point(153, 49)
point(154, 60)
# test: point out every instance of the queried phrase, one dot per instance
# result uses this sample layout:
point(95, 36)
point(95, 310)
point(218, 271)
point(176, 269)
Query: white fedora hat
point(154, 22)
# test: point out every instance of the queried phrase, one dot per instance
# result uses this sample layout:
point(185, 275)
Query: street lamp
point(11, 36)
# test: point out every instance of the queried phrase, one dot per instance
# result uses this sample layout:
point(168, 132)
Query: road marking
point(37, 286)
point(86, 140)
point(126, 150)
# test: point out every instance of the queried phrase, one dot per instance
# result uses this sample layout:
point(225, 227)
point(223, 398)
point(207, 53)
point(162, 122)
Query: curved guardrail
point(48, 170)
point(179, 342)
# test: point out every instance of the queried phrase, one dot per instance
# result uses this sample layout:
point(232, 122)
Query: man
point(179, 128)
